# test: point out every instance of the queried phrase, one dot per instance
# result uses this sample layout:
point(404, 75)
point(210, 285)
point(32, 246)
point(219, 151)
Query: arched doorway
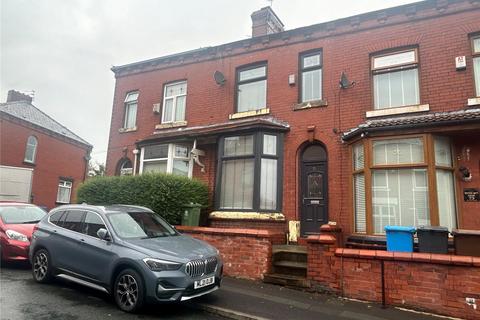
point(124, 167)
point(313, 183)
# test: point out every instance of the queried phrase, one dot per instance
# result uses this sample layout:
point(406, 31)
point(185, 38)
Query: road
point(22, 298)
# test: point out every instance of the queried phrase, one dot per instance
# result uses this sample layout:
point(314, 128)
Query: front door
point(314, 190)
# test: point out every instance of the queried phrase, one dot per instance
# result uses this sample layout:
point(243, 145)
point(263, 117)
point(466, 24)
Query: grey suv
point(127, 251)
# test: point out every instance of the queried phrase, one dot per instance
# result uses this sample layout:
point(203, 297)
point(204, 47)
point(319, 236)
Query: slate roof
point(28, 112)
point(189, 133)
point(424, 120)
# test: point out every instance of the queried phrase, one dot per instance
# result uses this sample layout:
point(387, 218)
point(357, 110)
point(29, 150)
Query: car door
point(96, 254)
point(67, 236)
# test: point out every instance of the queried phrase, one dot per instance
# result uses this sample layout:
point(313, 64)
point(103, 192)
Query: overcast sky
point(63, 49)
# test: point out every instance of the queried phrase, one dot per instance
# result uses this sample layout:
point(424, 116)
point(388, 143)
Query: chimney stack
point(14, 95)
point(265, 21)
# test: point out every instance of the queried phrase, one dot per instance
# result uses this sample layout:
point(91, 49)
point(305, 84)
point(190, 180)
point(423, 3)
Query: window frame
point(34, 154)
point(127, 105)
point(65, 181)
point(394, 68)
point(428, 164)
point(247, 67)
point(302, 69)
point(258, 155)
point(174, 105)
point(475, 55)
point(170, 157)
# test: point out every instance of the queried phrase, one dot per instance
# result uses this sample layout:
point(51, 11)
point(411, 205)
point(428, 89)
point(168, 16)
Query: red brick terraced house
point(366, 121)
point(327, 134)
point(32, 140)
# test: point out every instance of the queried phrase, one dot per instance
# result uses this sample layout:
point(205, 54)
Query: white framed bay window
point(397, 181)
point(167, 158)
point(249, 174)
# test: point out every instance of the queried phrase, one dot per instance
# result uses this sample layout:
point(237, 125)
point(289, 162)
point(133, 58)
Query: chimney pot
point(265, 21)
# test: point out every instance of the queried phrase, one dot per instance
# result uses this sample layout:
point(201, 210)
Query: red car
point(17, 221)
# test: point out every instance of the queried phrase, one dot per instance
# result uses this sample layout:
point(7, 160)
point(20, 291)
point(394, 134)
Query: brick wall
point(346, 46)
point(56, 157)
point(246, 253)
point(432, 282)
point(276, 226)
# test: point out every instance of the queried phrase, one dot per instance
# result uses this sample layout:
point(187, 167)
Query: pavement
point(22, 298)
point(251, 300)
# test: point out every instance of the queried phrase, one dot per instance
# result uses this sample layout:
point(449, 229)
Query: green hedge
point(164, 194)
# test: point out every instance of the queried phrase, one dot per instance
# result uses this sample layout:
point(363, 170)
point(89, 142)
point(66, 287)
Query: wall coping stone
point(322, 238)
point(409, 256)
point(258, 233)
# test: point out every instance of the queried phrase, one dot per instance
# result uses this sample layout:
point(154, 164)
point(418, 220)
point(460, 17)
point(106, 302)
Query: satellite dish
point(344, 82)
point(219, 78)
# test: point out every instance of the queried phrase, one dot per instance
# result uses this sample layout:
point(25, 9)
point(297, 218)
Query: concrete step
point(286, 280)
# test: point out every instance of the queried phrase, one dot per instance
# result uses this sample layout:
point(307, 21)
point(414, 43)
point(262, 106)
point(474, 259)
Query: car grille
point(197, 268)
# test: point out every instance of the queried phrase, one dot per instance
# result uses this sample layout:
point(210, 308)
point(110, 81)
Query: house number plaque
point(471, 195)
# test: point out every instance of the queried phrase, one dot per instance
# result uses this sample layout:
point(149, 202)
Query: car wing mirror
point(102, 233)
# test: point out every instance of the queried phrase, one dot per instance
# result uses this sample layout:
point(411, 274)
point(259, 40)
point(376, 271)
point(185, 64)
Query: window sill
point(247, 215)
point(28, 163)
point(171, 125)
point(398, 110)
point(61, 203)
point(473, 102)
point(251, 113)
point(125, 130)
point(310, 105)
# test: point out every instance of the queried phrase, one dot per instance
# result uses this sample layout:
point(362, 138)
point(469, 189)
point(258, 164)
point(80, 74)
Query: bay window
point(249, 172)
point(397, 181)
point(166, 158)
point(395, 79)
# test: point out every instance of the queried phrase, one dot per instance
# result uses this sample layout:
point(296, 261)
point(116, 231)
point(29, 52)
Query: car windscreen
point(141, 224)
point(20, 214)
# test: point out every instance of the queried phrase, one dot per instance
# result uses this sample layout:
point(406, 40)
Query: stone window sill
point(171, 125)
point(251, 113)
point(398, 110)
point(310, 105)
point(473, 102)
point(409, 256)
point(125, 130)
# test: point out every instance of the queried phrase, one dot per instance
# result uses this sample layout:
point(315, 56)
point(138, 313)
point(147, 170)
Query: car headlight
point(161, 265)
point(14, 235)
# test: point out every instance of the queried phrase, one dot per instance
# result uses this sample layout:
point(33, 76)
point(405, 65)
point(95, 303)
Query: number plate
point(203, 283)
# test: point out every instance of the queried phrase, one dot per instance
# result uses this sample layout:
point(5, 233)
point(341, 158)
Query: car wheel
point(41, 266)
point(129, 291)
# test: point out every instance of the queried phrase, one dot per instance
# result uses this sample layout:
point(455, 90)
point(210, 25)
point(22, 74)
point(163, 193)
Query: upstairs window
point(252, 88)
point(174, 100)
point(64, 191)
point(311, 77)
point(476, 62)
point(395, 79)
point(130, 119)
point(31, 149)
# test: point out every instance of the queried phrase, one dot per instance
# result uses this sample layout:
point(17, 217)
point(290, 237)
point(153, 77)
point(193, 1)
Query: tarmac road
point(22, 298)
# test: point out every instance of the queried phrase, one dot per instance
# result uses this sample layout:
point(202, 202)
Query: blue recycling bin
point(400, 238)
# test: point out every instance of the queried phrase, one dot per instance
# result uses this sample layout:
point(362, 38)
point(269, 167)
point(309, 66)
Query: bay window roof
point(415, 121)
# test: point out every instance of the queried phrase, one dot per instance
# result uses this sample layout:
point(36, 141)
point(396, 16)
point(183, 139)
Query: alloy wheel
point(127, 291)
point(40, 266)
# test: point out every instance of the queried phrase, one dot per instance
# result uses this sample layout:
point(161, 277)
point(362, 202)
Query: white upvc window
point(167, 158)
point(64, 191)
point(174, 102)
point(130, 119)
point(476, 62)
point(31, 149)
point(252, 88)
point(395, 79)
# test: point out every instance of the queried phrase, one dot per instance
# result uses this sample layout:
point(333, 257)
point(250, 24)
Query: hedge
point(164, 194)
